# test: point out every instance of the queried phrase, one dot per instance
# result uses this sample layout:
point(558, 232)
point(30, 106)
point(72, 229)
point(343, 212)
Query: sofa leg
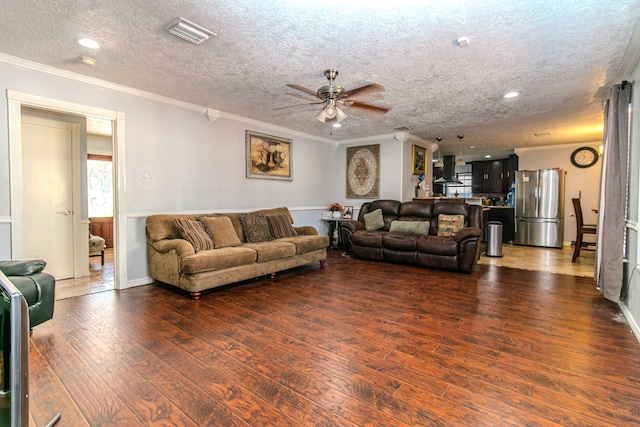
point(195, 295)
point(322, 261)
point(272, 276)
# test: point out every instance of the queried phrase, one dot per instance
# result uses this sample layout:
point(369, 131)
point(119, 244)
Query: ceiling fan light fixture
point(340, 115)
point(321, 116)
point(330, 111)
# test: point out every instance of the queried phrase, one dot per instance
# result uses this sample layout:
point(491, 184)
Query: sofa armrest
point(306, 230)
point(22, 268)
point(182, 247)
point(467, 233)
point(352, 226)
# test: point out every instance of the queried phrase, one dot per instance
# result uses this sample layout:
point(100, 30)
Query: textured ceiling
point(558, 54)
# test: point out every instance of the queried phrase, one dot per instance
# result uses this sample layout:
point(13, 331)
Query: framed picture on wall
point(363, 172)
point(347, 213)
point(269, 157)
point(418, 159)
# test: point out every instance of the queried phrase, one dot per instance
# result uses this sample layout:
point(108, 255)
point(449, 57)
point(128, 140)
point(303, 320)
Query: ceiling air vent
point(188, 31)
point(543, 134)
point(403, 128)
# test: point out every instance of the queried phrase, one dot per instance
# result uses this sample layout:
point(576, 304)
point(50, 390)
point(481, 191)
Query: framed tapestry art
point(363, 172)
point(269, 157)
point(418, 158)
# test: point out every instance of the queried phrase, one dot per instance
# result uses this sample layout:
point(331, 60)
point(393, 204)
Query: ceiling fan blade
point(365, 90)
point(302, 89)
point(306, 98)
point(371, 108)
point(299, 105)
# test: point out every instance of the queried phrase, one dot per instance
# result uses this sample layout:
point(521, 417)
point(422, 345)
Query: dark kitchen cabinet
point(487, 176)
point(494, 176)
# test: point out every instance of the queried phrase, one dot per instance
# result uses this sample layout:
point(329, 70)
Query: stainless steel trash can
point(494, 238)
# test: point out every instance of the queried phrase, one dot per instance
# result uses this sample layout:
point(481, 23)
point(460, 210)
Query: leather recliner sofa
point(459, 251)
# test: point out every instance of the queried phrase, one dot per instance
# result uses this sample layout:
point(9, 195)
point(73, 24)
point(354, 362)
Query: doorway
point(16, 102)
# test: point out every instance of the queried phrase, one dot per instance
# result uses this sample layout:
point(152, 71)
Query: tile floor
point(521, 257)
point(544, 259)
point(100, 279)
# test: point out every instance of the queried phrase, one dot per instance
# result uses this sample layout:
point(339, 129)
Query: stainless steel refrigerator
point(539, 209)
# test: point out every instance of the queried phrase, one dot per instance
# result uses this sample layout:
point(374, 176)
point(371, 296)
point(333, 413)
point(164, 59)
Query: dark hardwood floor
point(353, 343)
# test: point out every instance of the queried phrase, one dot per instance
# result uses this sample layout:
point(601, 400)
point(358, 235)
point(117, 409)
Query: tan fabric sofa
point(174, 261)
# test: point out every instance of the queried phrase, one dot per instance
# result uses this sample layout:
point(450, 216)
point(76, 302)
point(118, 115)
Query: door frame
point(16, 100)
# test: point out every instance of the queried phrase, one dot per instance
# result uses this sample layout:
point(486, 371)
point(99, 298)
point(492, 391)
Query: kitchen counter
point(469, 200)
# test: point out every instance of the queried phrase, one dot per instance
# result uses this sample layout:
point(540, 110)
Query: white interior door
point(47, 186)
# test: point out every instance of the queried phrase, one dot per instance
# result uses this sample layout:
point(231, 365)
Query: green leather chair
point(38, 288)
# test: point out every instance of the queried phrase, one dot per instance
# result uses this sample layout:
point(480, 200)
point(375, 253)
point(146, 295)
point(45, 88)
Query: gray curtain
point(613, 193)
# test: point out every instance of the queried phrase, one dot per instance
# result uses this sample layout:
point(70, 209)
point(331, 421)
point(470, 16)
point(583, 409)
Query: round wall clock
point(584, 157)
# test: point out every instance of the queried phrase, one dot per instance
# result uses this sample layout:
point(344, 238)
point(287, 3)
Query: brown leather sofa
point(458, 252)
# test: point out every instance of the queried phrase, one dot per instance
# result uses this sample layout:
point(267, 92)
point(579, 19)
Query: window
point(463, 174)
point(99, 186)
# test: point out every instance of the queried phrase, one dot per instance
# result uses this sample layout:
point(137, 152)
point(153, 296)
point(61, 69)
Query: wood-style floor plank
point(356, 343)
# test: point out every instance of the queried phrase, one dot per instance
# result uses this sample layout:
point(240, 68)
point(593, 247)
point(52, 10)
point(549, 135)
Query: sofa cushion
point(308, 243)
point(448, 225)
point(256, 228)
point(374, 220)
point(218, 259)
point(280, 226)
point(437, 245)
point(194, 232)
point(273, 250)
point(276, 211)
point(412, 227)
point(221, 231)
point(369, 238)
point(400, 242)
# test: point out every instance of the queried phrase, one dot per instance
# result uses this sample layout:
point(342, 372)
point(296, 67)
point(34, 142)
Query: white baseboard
point(138, 282)
point(631, 321)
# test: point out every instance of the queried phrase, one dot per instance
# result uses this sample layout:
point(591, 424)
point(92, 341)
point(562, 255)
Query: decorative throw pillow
point(280, 226)
point(448, 225)
point(412, 227)
point(256, 228)
point(194, 232)
point(374, 220)
point(221, 229)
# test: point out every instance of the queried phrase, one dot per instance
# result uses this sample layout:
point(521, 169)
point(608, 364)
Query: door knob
point(65, 212)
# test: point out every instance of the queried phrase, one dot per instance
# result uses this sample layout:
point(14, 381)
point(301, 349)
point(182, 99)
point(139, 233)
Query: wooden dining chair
point(581, 229)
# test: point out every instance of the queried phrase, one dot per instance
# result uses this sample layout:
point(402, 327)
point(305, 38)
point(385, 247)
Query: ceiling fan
point(333, 97)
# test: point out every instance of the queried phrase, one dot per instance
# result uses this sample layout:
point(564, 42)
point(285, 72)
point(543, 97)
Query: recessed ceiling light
point(472, 146)
point(337, 125)
point(88, 43)
point(487, 156)
point(511, 94)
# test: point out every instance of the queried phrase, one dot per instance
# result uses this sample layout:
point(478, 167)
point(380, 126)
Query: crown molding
point(209, 113)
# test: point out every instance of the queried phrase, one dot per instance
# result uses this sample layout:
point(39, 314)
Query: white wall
point(631, 305)
point(577, 181)
point(176, 160)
